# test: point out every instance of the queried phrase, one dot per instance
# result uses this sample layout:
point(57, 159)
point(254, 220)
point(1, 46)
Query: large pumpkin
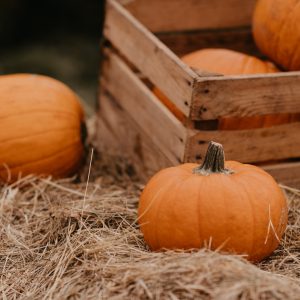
point(276, 30)
point(229, 62)
point(235, 207)
point(41, 126)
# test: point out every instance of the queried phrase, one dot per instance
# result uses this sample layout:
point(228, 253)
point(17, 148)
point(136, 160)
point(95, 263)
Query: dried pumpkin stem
point(214, 161)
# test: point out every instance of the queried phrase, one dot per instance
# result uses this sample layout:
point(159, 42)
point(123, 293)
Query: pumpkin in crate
point(234, 207)
point(276, 30)
point(41, 127)
point(229, 62)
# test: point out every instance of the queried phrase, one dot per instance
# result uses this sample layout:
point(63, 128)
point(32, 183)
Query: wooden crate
point(142, 46)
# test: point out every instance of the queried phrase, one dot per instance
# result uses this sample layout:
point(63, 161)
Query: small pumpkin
point(229, 62)
point(41, 126)
point(236, 207)
point(276, 31)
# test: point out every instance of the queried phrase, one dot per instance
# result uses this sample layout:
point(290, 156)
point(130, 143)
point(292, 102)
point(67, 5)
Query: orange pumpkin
point(41, 126)
point(228, 62)
point(276, 30)
point(235, 207)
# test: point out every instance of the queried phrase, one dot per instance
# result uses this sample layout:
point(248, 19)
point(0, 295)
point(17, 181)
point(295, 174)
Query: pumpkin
point(231, 206)
point(276, 31)
point(41, 127)
point(229, 62)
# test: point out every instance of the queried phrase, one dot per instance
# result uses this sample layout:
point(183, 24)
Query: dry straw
point(54, 245)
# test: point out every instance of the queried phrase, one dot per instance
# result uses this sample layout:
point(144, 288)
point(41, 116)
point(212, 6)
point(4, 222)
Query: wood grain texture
point(162, 128)
point(171, 15)
point(118, 135)
point(246, 95)
point(286, 173)
point(256, 145)
point(134, 123)
point(149, 55)
point(238, 39)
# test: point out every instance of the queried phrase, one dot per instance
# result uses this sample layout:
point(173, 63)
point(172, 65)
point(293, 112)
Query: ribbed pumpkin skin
point(276, 30)
point(40, 127)
point(182, 210)
point(228, 62)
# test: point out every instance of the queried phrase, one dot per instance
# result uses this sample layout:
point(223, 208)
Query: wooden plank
point(149, 55)
point(239, 39)
point(285, 173)
point(172, 15)
point(113, 124)
point(256, 145)
point(247, 95)
point(162, 128)
point(119, 136)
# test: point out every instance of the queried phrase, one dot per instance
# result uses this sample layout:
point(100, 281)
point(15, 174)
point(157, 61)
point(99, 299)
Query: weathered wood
point(285, 173)
point(114, 124)
point(256, 145)
point(149, 55)
point(239, 39)
point(171, 15)
point(118, 135)
point(162, 128)
point(246, 95)
point(138, 126)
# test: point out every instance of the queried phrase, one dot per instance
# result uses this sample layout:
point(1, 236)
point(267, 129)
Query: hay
point(58, 244)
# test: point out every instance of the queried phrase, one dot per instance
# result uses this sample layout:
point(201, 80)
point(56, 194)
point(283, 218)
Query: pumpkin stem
point(214, 161)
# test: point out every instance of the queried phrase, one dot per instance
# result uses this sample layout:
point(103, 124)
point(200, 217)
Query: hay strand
point(53, 247)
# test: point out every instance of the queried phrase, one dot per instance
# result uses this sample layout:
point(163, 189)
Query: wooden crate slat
point(118, 135)
point(256, 145)
point(144, 108)
point(171, 15)
point(133, 121)
point(247, 95)
point(149, 55)
point(238, 39)
point(285, 173)
point(114, 123)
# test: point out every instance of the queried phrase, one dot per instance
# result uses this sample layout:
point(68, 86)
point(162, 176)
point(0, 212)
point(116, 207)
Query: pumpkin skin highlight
point(276, 31)
point(229, 62)
point(41, 123)
point(182, 210)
